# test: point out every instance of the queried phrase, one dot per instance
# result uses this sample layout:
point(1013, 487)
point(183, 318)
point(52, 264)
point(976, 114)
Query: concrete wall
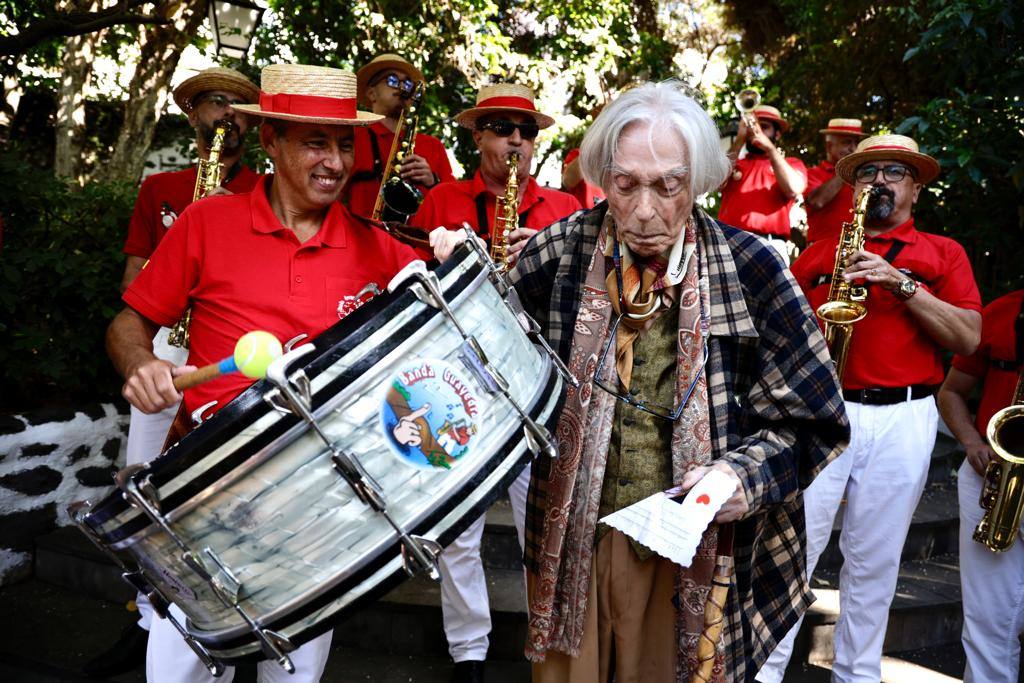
point(49, 459)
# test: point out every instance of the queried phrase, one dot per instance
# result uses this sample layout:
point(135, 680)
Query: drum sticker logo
point(428, 414)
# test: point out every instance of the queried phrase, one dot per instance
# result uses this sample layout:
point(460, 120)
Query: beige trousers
point(629, 630)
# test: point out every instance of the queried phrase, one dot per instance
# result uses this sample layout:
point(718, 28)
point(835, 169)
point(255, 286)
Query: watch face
point(908, 287)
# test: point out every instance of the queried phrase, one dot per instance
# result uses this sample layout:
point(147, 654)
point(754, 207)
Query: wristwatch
point(905, 289)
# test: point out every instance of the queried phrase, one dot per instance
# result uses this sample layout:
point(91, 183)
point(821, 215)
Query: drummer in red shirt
point(287, 258)
point(385, 86)
point(987, 578)
point(922, 301)
point(504, 120)
point(764, 184)
point(829, 199)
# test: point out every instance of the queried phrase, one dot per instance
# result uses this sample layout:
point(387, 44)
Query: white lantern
point(234, 23)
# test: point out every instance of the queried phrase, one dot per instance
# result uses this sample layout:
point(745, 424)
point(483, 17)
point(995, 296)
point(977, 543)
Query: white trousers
point(992, 585)
point(464, 604)
point(170, 660)
point(146, 436)
point(882, 475)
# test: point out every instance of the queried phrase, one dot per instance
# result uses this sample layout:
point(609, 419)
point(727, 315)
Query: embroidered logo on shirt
point(350, 302)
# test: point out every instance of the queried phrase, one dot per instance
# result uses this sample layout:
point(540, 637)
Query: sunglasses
point(219, 101)
point(406, 85)
point(894, 173)
point(503, 128)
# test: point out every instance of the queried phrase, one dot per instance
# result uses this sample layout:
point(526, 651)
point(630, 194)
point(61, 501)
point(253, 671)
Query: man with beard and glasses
point(504, 120)
point(829, 199)
point(385, 86)
point(694, 351)
point(764, 184)
point(286, 257)
point(922, 302)
point(206, 98)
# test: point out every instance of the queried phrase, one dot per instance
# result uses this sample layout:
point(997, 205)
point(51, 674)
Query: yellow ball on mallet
point(254, 353)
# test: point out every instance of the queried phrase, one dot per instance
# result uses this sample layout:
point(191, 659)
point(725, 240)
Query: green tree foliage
point(949, 73)
point(60, 265)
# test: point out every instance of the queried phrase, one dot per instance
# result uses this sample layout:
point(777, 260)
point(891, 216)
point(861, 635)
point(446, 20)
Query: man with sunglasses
point(922, 301)
point(206, 98)
point(385, 86)
point(764, 184)
point(504, 120)
point(694, 351)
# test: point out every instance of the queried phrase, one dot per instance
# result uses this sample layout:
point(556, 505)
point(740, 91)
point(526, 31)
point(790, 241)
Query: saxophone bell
point(1002, 493)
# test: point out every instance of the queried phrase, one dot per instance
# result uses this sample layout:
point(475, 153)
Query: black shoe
point(129, 652)
point(468, 672)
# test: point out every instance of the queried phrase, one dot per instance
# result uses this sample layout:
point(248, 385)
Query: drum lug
point(144, 488)
point(473, 357)
point(538, 440)
point(420, 554)
point(215, 668)
point(276, 646)
point(197, 414)
point(494, 274)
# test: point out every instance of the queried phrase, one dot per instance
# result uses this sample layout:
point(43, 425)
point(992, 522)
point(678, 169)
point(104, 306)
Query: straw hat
point(309, 94)
point(898, 147)
point(502, 97)
point(383, 63)
point(217, 78)
point(844, 127)
point(769, 113)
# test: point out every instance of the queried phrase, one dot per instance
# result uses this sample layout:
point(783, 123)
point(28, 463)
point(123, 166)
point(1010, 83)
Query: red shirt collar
point(380, 129)
point(332, 233)
point(904, 232)
point(530, 197)
point(827, 165)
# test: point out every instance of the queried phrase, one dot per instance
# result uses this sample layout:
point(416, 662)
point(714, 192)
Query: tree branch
point(75, 24)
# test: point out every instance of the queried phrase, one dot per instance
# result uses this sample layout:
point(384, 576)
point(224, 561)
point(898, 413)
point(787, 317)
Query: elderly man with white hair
point(695, 351)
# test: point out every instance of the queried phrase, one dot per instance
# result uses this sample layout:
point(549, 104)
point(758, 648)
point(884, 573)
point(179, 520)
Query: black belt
point(887, 396)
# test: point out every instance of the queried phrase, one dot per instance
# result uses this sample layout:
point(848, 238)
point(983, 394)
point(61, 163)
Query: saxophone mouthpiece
point(228, 126)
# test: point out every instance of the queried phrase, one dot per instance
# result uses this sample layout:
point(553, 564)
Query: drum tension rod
point(220, 579)
point(418, 553)
point(136, 578)
point(428, 290)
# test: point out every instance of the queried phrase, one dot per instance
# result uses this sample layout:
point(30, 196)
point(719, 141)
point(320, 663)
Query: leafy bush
point(60, 267)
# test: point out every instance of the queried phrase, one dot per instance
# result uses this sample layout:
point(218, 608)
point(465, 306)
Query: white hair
point(660, 106)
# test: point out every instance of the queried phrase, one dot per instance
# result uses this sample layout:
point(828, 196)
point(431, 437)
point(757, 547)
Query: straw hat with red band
point(309, 94)
point(501, 97)
point(218, 78)
point(888, 147)
point(844, 127)
point(383, 63)
point(770, 113)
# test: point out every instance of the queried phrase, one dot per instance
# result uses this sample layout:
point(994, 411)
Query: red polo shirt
point(585, 193)
point(162, 198)
point(232, 261)
point(362, 190)
point(889, 348)
point(754, 202)
point(826, 222)
point(998, 348)
point(451, 204)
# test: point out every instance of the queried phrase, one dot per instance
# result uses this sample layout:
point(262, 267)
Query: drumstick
point(253, 354)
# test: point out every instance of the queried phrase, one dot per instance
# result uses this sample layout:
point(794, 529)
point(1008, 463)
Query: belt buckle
point(873, 396)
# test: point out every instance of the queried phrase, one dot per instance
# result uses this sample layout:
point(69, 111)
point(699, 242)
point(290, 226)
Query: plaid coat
point(777, 413)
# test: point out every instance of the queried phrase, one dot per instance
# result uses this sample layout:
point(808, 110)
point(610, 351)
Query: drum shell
point(259, 489)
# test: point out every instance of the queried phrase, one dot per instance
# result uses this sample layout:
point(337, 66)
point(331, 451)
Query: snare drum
point(361, 455)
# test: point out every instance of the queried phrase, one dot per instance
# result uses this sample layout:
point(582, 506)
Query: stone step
point(925, 612)
point(933, 531)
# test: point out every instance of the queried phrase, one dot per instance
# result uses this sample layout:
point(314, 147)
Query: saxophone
point(845, 304)
point(207, 180)
point(506, 215)
point(1002, 493)
point(399, 199)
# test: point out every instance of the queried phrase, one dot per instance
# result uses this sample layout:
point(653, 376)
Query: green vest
point(640, 452)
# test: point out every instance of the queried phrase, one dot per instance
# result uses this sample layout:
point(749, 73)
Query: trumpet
point(746, 101)
point(1002, 493)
